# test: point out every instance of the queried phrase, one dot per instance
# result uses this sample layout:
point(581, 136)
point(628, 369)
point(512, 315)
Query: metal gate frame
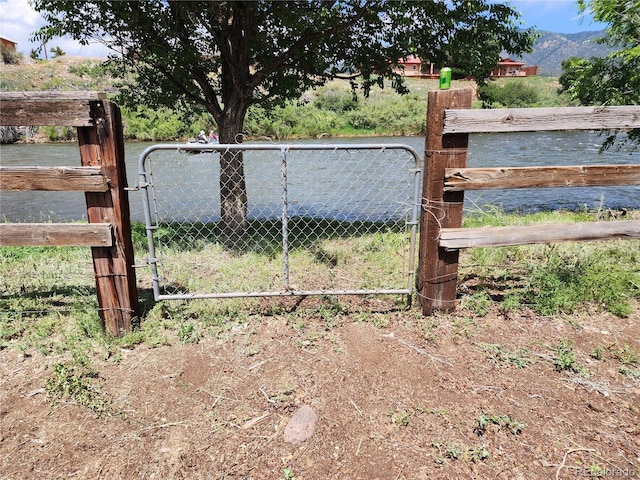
point(145, 184)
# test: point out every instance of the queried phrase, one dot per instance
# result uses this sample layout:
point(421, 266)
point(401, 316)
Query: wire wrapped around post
point(437, 267)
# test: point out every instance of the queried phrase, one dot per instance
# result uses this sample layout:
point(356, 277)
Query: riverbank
point(328, 111)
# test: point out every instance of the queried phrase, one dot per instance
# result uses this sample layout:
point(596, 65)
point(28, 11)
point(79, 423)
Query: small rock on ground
point(301, 426)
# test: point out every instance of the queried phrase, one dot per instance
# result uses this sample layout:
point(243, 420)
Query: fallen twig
point(401, 469)
point(162, 425)
point(265, 395)
point(254, 421)
point(595, 386)
point(356, 407)
point(256, 365)
point(419, 350)
point(566, 454)
point(35, 392)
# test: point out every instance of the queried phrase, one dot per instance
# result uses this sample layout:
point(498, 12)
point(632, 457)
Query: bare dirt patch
point(397, 396)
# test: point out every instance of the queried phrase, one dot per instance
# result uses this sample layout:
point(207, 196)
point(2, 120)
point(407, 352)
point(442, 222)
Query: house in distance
point(415, 67)
point(510, 68)
point(7, 43)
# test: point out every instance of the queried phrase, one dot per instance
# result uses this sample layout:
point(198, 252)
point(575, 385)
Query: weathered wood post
point(437, 267)
point(102, 145)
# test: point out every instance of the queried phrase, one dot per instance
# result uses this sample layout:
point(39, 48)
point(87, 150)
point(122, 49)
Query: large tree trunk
point(233, 189)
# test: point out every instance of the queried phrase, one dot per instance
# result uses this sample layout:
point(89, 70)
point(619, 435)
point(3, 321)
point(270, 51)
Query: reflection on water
point(511, 149)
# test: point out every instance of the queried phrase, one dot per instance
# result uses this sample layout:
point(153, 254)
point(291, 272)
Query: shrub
point(148, 124)
point(508, 94)
point(10, 55)
point(336, 101)
point(59, 134)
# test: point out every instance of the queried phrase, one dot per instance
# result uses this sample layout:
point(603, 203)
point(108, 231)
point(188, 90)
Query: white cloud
point(18, 22)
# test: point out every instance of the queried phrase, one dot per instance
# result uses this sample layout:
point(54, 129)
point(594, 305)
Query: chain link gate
point(321, 220)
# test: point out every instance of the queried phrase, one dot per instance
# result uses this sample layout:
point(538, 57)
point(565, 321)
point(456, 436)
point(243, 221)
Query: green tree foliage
point(614, 79)
point(224, 57)
point(57, 52)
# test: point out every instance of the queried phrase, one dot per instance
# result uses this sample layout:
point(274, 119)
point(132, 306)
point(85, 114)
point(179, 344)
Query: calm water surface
point(513, 149)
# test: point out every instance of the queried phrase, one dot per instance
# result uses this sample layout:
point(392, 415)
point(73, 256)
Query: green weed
point(630, 372)
point(512, 302)
point(284, 393)
point(188, 333)
point(75, 383)
point(379, 320)
point(499, 354)
point(503, 421)
point(288, 474)
point(574, 323)
point(462, 328)
point(479, 303)
point(428, 326)
point(598, 353)
point(566, 358)
point(576, 275)
point(453, 451)
point(477, 453)
point(559, 278)
point(399, 417)
point(626, 354)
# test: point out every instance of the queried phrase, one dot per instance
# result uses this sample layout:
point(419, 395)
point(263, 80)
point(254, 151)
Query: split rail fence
point(101, 176)
point(450, 120)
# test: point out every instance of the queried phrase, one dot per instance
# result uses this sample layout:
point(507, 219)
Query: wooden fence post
point(437, 267)
point(103, 145)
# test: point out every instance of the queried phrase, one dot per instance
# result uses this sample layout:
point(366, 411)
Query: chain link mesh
point(315, 219)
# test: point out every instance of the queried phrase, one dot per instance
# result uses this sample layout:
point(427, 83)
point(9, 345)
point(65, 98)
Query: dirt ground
point(398, 396)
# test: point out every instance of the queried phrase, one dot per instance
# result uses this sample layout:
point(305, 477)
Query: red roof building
point(9, 44)
point(413, 66)
point(510, 68)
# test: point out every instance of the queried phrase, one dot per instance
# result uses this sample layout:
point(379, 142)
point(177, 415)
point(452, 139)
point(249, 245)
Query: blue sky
point(559, 16)
point(18, 20)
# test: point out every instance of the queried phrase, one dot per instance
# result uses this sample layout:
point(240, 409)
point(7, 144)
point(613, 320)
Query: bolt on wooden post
point(437, 267)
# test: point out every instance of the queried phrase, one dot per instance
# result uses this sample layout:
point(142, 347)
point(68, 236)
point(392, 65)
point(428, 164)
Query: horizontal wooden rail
point(458, 179)
point(71, 179)
point(62, 109)
point(56, 234)
point(457, 238)
point(101, 144)
point(540, 119)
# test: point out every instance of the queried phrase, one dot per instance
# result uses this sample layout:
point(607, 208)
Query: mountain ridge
point(551, 49)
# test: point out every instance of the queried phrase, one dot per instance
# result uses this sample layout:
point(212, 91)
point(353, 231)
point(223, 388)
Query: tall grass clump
point(559, 278)
point(10, 55)
point(604, 276)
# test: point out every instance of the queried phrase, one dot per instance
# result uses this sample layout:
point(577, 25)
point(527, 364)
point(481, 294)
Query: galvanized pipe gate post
point(285, 217)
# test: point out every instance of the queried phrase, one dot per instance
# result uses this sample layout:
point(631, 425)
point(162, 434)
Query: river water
point(485, 150)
